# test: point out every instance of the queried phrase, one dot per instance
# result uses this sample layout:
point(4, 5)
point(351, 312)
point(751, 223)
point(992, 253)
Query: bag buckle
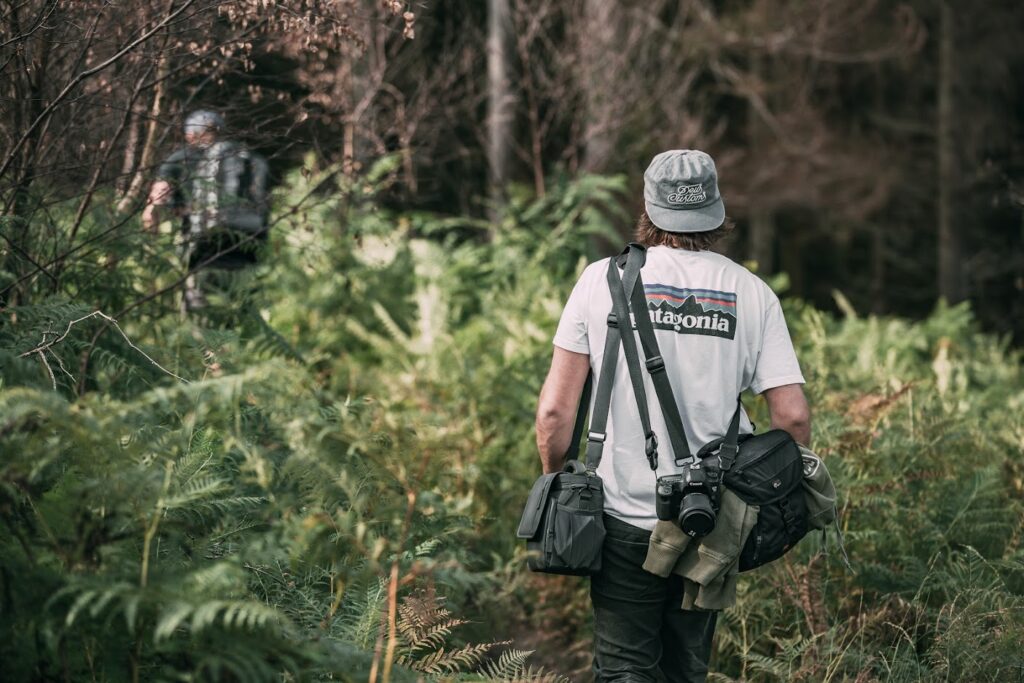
point(651, 450)
point(726, 456)
point(596, 437)
point(655, 364)
point(613, 320)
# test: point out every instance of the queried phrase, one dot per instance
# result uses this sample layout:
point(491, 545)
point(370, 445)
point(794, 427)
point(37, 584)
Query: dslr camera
point(690, 498)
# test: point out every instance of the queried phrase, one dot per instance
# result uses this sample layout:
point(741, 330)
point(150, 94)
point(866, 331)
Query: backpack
point(229, 191)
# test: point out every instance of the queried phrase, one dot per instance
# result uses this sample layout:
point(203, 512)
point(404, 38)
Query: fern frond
point(195, 490)
point(508, 666)
point(432, 636)
point(512, 667)
point(230, 614)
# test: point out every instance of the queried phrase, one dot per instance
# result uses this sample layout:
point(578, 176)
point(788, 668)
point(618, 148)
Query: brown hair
point(650, 235)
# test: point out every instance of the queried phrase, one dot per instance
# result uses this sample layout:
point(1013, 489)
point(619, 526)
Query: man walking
point(721, 331)
point(219, 189)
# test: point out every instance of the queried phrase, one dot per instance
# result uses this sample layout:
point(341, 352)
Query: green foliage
point(330, 489)
point(921, 426)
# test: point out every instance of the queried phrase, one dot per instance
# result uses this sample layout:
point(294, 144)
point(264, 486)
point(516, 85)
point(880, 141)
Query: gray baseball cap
point(202, 120)
point(681, 192)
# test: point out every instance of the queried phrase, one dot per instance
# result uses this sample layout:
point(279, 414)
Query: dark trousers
point(640, 633)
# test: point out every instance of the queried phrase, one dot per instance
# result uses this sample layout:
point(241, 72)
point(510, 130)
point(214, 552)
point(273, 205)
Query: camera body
point(690, 498)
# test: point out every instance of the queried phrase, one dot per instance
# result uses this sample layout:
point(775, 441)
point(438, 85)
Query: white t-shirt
point(720, 329)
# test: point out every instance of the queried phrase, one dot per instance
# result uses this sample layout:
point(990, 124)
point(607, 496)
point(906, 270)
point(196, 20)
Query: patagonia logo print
point(692, 311)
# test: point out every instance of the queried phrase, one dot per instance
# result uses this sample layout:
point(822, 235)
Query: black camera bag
point(766, 470)
point(563, 522)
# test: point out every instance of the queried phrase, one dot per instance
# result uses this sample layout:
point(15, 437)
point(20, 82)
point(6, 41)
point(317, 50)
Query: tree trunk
point(950, 273)
point(19, 204)
point(597, 42)
point(142, 171)
point(791, 260)
point(761, 245)
point(499, 103)
point(131, 148)
point(762, 238)
point(877, 269)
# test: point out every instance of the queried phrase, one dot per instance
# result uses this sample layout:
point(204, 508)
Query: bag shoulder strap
point(656, 364)
point(620, 307)
point(602, 401)
point(730, 444)
point(596, 435)
point(581, 418)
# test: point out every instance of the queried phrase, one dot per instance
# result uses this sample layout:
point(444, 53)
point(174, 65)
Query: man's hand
point(149, 218)
point(159, 195)
point(788, 409)
point(556, 408)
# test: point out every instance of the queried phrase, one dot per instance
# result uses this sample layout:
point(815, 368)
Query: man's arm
point(788, 409)
point(556, 408)
point(159, 195)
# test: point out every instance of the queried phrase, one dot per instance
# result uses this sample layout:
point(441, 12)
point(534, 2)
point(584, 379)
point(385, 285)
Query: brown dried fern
point(424, 626)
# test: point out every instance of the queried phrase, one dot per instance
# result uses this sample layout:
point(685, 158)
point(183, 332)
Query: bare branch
point(47, 13)
point(47, 345)
point(53, 104)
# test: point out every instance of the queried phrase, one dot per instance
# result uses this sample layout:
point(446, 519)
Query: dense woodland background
point(872, 148)
point(323, 483)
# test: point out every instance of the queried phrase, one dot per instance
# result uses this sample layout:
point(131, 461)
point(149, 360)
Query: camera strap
point(620, 309)
point(596, 435)
point(654, 361)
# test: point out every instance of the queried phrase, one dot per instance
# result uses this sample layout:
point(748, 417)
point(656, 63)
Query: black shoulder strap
point(730, 444)
point(632, 260)
point(581, 419)
point(620, 307)
point(656, 366)
point(602, 401)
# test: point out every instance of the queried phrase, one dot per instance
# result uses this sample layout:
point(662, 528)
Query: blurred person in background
point(219, 189)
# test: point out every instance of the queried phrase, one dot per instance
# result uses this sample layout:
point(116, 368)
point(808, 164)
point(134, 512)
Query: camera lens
point(696, 516)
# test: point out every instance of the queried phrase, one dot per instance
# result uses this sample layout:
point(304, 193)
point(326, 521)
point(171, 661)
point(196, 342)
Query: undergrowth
point(323, 482)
